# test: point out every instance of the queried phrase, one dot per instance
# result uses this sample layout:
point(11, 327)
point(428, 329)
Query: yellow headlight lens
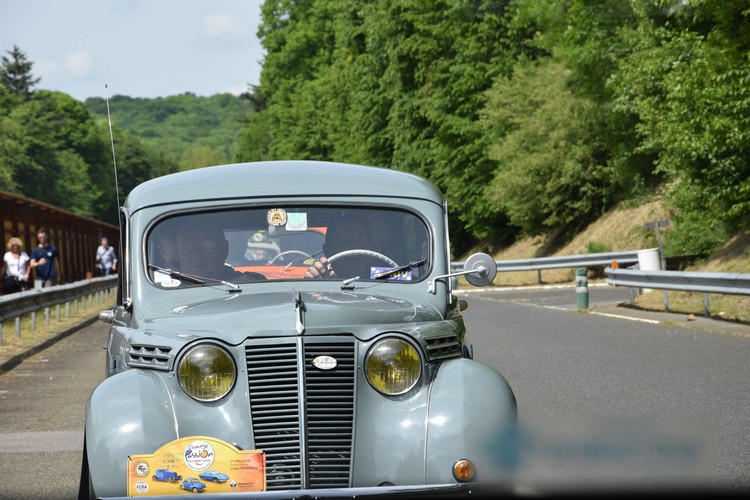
point(206, 373)
point(393, 366)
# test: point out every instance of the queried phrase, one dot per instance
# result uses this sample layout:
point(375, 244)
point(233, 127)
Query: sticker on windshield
point(276, 217)
point(163, 279)
point(297, 222)
point(403, 275)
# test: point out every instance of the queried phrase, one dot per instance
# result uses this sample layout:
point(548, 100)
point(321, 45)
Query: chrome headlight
point(206, 372)
point(393, 366)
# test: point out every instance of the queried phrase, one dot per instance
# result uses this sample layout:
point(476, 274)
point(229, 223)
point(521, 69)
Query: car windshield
point(283, 242)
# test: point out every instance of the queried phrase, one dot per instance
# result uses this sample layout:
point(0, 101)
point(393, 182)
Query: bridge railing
point(17, 305)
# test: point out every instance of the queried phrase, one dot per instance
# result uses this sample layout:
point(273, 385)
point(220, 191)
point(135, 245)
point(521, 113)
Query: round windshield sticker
point(199, 455)
point(276, 217)
point(141, 487)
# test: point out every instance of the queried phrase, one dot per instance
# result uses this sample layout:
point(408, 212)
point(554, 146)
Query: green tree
point(394, 84)
point(550, 179)
point(685, 77)
point(10, 149)
point(58, 149)
point(15, 73)
point(177, 125)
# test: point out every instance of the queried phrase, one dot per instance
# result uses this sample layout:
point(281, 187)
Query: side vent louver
point(149, 356)
point(443, 347)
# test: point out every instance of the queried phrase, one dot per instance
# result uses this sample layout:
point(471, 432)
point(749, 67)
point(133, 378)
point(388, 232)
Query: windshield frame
point(423, 237)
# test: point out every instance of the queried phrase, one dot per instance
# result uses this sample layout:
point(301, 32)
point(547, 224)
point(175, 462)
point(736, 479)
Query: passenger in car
point(203, 251)
point(166, 244)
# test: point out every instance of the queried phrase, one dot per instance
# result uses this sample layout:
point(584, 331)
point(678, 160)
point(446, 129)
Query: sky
point(137, 48)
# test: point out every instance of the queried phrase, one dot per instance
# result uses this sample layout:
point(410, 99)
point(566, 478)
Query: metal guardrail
point(585, 260)
point(16, 305)
point(721, 283)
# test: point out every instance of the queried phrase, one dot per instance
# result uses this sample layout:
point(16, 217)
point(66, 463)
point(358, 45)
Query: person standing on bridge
point(15, 268)
point(45, 261)
point(106, 258)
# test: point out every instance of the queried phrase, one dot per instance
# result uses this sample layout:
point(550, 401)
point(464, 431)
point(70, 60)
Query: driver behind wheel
point(361, 230)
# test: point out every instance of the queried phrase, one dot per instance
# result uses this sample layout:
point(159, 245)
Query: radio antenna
point(114, 158)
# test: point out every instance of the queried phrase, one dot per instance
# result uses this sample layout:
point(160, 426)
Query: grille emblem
point(324, 363)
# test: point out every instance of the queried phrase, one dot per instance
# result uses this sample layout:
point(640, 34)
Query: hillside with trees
point(58, 150)
point(191, 131)
point(534, 118)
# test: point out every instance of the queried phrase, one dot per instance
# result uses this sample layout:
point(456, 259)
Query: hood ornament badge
point(324, 362)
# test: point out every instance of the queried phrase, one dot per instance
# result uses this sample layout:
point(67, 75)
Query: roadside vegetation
point(540, 121)
point(621, 229)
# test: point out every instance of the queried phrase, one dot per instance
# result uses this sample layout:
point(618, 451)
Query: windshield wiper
point(347, 283)
point(196, 280)
point(391, 272)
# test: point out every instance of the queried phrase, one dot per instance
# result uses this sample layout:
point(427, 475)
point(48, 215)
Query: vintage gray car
point(336, 364)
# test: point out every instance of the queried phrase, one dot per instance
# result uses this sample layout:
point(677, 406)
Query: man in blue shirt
point(44, 261)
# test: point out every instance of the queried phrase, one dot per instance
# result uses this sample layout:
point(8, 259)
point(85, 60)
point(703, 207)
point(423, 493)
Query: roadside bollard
point(582, 289)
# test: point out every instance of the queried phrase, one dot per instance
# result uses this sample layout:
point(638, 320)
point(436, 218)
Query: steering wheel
point(365, 253)
point(291, 252)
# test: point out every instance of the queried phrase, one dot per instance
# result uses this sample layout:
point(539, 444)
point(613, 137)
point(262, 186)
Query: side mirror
point(480, 269)
point(483, 267)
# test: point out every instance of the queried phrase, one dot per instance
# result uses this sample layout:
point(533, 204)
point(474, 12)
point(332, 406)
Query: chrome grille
point(330, 415)
point(302, 416)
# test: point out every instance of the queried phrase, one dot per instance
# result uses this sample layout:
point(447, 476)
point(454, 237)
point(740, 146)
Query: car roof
point(280, 179)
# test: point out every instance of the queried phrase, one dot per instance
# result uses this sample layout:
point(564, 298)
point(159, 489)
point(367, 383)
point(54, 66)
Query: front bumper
point(473, 490)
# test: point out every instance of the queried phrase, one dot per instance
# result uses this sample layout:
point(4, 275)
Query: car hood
point(239, 316)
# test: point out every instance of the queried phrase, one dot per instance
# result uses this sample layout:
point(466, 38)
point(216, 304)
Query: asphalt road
point(598, 393)
point(602, 400)
point(42, 403)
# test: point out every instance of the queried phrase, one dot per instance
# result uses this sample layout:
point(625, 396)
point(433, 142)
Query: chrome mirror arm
point(479, 271)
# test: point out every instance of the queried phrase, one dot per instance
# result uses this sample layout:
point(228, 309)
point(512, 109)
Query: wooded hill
point(191, 131)
point(534, 118)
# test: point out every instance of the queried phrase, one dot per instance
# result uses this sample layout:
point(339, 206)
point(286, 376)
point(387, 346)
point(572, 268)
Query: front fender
point(467, 411)
point(471, 415)
point(115, 416)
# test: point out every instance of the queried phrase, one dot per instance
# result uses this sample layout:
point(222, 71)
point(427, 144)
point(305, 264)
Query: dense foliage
point(53, 150)
point(191, 131)
point(58, 150)
point(533, 118)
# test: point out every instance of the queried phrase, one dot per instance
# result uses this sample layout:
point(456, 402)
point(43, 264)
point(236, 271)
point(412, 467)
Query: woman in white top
point(15, 270)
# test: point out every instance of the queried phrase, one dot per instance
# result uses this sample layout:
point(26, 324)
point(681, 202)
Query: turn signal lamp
point(464, 471)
